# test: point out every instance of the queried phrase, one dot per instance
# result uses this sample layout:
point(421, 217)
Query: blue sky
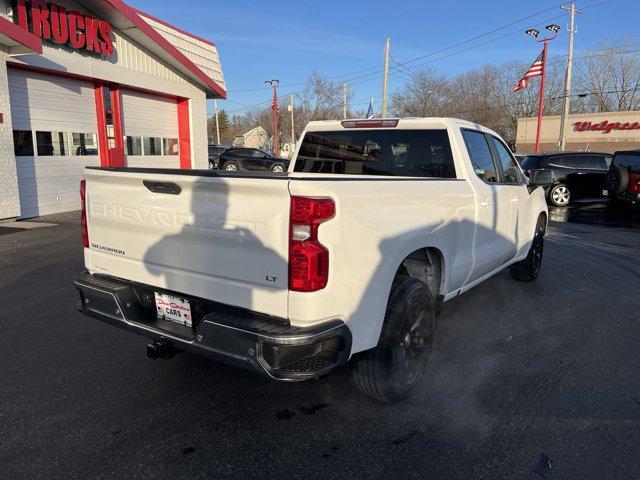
point(288, 39)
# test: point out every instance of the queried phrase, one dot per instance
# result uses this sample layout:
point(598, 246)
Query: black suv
point(568, 176)
point(623, 178)
point(251, 159)
point(214, 155)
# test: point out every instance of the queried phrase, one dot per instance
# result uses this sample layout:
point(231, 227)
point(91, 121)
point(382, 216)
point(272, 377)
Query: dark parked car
point(214, 155)
point(251, 159)
point(623, 178)
point(568, 176)
point(519, 157)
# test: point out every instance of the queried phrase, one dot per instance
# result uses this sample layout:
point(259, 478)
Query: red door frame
point(184, 133)
point(109, 156)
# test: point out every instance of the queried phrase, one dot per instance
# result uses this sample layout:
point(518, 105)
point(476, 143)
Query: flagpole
point(540, 105)
point(534, 33)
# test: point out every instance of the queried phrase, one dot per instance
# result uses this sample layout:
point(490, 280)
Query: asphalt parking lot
point(527, 381)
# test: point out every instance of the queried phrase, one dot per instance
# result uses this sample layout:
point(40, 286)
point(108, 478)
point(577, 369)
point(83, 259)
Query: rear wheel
point(393, 370)
point(528, 269)
point(560, 195)
point(277, 168)
point(230, 167)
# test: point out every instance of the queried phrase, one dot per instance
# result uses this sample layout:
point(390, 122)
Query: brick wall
point(9, 198)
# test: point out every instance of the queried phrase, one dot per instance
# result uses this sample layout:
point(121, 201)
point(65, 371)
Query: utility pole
point(215, 107)
point(344, 100)
point(274, 105)
point(293, 132)
point(386, 77)
point(567, 79)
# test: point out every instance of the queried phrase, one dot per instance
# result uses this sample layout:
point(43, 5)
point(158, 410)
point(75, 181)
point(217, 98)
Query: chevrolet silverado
point(347, 256)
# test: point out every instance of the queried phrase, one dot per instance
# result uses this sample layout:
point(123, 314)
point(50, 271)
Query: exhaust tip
point(163, 349)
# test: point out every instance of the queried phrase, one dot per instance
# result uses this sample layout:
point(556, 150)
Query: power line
point(379, 72)
point(344, 75)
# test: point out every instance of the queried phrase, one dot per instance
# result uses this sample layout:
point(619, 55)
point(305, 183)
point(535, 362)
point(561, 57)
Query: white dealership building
point(95, 82)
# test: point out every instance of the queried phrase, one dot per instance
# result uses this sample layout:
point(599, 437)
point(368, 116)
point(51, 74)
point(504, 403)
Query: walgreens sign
point(52, 22)
point(605, 126)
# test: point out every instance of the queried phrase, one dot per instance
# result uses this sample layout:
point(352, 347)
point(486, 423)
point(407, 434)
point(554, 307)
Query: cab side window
point(510, 169)
point(480, 155)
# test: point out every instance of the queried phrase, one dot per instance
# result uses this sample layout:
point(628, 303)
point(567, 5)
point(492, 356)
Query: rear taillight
point(83, 221)
point(308, 258)
point(634, 182)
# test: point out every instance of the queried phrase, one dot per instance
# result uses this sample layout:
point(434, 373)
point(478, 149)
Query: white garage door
point(150, 126)
point(54, 121)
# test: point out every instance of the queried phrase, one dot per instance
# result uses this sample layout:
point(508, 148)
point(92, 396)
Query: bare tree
point(610, 76)
point(607, 79)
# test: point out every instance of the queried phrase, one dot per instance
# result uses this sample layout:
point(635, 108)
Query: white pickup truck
point(348, 255)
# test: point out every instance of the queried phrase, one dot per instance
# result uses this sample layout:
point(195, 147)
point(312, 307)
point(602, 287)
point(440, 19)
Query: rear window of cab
point(401, 153)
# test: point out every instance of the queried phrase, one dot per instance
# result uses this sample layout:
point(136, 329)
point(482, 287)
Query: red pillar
point(184, 133)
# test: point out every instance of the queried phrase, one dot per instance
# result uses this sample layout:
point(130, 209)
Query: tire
point(231, 166)
point(617, 180)
point(277, 168)
point(527, 270)
point(393, 370)
point(560, 195)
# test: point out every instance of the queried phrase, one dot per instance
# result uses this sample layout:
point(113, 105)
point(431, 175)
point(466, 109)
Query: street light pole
point(534, 33)
point(274, 83)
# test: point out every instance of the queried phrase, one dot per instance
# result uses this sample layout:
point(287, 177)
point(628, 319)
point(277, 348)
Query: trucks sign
point(52, 22)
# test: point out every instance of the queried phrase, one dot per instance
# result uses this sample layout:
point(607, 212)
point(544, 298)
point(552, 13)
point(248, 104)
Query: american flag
point(535, 70)
point(370, 111)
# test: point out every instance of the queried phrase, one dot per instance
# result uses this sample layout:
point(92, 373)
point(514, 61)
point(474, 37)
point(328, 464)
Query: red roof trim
point(17, 34)
point(159, 20)
point(139, 22)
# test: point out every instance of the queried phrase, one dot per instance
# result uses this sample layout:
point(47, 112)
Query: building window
point(51, 144)
point(170, 146)
point(134, 145)
point(152, 146)
point(84, 144)
point(23, 143)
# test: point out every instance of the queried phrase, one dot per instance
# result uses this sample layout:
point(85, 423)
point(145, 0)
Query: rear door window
point(408, 153)
point(480, 155)
point(631, 161)
point(510, 170)
point(530, 162)
point(566, 161)
point(594, 162)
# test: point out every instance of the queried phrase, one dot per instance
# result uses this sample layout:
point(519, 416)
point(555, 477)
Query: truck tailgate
point(220, 238)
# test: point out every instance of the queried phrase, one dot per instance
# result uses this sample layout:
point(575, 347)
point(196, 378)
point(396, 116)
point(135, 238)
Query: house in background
point(255, 138)
point(287, 149)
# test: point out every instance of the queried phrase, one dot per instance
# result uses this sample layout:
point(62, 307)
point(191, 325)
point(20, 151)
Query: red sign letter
point(40, 19)
point(106, 45)
point(59, 25)
point(91, 33)
point(22, 14)
point(76, 21)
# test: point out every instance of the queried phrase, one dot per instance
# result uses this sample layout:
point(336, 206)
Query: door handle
point(515, 200)
point(486, 203)
point(169, 188)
